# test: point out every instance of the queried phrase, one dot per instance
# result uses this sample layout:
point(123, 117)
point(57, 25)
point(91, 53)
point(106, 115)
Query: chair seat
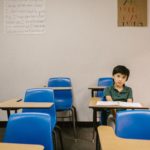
point(60, 104)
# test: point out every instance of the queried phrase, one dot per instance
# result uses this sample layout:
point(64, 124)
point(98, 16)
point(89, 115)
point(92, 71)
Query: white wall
point(82, 41)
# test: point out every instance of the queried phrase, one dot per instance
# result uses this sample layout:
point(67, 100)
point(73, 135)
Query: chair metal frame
point(64, 96)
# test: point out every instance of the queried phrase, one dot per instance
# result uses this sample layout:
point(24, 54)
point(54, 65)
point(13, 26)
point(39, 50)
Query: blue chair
point(105, 81)
point(29, 128)
point(133, 124)
point(44, 95)
point(64, 98)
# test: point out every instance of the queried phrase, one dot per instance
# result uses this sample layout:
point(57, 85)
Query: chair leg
point(94, 123)
point(75, 111)
point(74, 119)
point(54, 139)
point(70, 115)
point(60, 136)
point(93, 136)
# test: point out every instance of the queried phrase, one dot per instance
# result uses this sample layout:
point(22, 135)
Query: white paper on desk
point(129, 104)
point(106, 103)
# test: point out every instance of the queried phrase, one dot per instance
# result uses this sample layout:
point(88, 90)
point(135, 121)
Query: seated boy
point(119, 91)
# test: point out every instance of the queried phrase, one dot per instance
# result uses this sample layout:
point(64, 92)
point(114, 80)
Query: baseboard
point(3, 124)
point(86, 124)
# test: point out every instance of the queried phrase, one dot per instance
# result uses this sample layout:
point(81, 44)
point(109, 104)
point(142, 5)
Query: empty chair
point(29, 128)
point(64, 97)
point(43, 95)
point(133, 124)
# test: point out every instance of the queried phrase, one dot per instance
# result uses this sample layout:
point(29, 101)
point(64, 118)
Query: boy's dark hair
point(121, 69)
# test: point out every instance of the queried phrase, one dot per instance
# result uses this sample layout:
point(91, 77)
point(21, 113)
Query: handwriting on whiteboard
point(24, 16)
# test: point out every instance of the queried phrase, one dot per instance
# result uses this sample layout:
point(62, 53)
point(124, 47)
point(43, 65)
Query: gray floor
point(84, 141)
point(2, 131)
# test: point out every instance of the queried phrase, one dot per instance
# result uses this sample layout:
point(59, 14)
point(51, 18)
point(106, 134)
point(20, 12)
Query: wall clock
point(132, 12)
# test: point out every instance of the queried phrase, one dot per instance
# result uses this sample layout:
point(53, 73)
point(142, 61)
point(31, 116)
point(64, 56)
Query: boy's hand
point(129, 100)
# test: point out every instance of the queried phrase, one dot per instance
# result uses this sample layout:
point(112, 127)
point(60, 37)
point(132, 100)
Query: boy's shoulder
point(127, 87)
point(110, 87)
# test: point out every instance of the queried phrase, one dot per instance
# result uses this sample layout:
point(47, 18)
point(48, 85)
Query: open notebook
point(118, 103)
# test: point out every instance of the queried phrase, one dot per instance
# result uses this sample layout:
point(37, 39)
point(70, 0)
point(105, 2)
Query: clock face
point(132, 12)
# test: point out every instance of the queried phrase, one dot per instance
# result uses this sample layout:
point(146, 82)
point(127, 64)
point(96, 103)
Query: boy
point(119, 91)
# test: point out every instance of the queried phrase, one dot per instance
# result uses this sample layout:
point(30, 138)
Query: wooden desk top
point(10, 104)
point(11, 100)
point(93, 101)
point(109, 141)
point(97, 88)
point(25, 105)
point(10, 146)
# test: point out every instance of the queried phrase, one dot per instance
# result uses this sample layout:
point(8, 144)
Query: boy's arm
point(108, 98)
point(130, 96)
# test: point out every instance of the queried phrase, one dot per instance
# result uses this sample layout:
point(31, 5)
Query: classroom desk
point(109, 141)
point(92, 104)
point(96, 89)
point(11, 146)
point(16, 104)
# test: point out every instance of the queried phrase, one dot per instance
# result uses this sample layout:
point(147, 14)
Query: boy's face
point(119, 79)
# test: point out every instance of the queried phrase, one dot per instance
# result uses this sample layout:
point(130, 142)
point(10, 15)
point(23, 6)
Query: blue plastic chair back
point(106, 81)
point(41, 95)
point(29, 128)
point(63, 98)
point(133, 124)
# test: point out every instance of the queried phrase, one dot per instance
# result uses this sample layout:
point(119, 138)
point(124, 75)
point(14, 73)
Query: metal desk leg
point(94, 123)
point(92, 93)
point(8, 113)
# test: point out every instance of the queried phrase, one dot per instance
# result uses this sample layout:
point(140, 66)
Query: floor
point(84, 141)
